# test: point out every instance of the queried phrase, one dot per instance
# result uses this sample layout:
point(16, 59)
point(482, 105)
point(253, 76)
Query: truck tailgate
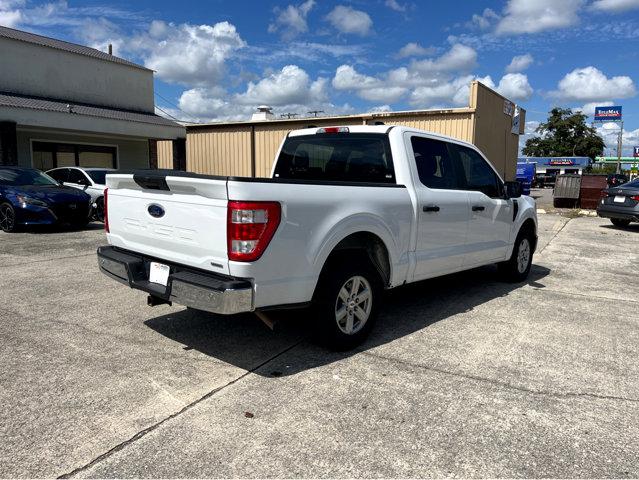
point(178, 218)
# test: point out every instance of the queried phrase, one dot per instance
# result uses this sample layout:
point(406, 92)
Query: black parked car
point(30, 197)
point(620, 204)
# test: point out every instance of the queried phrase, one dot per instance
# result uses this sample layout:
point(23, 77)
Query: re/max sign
point(608, 113)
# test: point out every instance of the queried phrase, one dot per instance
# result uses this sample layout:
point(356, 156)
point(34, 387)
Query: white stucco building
point(64, 104)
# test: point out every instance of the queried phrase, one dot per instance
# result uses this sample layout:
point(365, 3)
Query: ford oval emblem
point(156, 210)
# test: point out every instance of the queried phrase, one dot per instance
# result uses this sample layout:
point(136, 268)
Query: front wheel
point(7, 218)
point(517, 268)
point(347, 303)
point(618, 222)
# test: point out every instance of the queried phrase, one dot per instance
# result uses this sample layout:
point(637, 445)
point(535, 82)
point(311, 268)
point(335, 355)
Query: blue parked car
point(30, 197)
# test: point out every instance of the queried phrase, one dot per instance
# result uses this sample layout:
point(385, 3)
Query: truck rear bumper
point(186, 286)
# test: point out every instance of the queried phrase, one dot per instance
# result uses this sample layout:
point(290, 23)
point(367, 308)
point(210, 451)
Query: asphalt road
point(463, 376)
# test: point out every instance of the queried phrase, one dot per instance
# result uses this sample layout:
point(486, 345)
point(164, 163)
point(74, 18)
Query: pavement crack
point(545, 393)
point(184, 409)
point(555, 235)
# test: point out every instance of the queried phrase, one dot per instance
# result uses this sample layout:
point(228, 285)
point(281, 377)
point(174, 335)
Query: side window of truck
point(435, 165)
point(477, 174)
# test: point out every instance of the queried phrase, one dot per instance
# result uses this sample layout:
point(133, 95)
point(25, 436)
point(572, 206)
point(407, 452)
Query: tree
point(565, 134)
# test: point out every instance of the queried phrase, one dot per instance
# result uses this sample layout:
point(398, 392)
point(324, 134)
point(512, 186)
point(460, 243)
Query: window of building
point(47, 155)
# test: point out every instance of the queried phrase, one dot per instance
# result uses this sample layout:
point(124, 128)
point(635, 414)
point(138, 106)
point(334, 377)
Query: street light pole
point(619, 148)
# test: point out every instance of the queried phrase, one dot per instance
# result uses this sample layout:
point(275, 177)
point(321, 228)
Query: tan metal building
point(249, 148)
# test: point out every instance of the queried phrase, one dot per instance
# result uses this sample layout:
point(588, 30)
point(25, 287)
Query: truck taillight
point(106, 210)
point(333, 130)
point(635, 198)
point(250, 226)
point(604, 194)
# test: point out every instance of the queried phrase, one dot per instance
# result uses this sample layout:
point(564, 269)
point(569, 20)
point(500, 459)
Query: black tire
point(331, 329)
point(8, 218)
point(619, 222)
point(517, 268)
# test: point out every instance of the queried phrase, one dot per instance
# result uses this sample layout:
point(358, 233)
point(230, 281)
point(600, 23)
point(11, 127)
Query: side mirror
point(512, 189)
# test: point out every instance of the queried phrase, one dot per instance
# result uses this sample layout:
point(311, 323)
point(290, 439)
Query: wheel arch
point(367, 246)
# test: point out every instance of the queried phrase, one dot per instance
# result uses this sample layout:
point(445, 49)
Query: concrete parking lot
point(463, 376)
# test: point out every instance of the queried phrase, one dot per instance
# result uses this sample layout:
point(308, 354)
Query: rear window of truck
point(346, 157)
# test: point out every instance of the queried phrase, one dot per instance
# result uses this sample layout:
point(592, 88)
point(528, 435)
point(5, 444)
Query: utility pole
point(289, 115)
point(315, 112)
point(619, 147)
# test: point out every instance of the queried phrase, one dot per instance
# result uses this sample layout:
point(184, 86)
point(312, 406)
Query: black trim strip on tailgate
point(156, 180)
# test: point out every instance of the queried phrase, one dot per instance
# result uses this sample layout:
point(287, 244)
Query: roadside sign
point(608, 114)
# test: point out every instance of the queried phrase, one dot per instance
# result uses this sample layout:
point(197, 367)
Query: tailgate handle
point(431, 208)
point(478, 208)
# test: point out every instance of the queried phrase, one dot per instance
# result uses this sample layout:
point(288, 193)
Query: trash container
point(566, 191)
point(591, 187)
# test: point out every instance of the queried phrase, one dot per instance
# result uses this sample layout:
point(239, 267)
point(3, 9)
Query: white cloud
point(519, 63)
point(515, 86)
point(589, 108)
point(413, 49)
point(288, 86)
point(292, 20)
point(192, 55)
point(395, 5)
point(532, 16)
point(350, 21)
point(615, 6)
point(590, 84)
point(485, 20)
point(380, 109)
point(446, 94)
point(429, 82)
point(366, 87)
point(530, 127)
point(458, 58)
point(10, 18)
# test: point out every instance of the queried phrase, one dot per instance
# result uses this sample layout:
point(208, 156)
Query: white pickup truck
point(348, 212)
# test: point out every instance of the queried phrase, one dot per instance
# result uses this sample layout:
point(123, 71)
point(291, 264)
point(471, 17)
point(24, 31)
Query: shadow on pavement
point(633, 227)
point(244, 341)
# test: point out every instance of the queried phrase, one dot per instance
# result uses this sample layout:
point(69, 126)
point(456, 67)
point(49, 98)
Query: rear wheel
point(7, 218)
point(517, 268)
point(347, 303)
point(618, 222)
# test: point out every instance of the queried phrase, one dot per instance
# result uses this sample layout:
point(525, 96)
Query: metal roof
point(53, 105)
point(65, 46)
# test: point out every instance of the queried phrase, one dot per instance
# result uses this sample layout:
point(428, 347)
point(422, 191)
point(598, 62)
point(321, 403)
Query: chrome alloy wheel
point(353, 305)
point(523, 255)
point(7, 218)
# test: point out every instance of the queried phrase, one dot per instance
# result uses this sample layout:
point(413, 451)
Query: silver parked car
point(620, 204)
point(90, 180)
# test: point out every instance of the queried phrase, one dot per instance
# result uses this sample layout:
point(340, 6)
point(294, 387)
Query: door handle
point(430, 208)
point(478, 208)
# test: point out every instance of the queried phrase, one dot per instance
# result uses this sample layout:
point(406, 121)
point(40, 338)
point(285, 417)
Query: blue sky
point(217, 60)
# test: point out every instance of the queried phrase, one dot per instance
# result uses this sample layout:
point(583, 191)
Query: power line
point(173, 105)
point(168, 114)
